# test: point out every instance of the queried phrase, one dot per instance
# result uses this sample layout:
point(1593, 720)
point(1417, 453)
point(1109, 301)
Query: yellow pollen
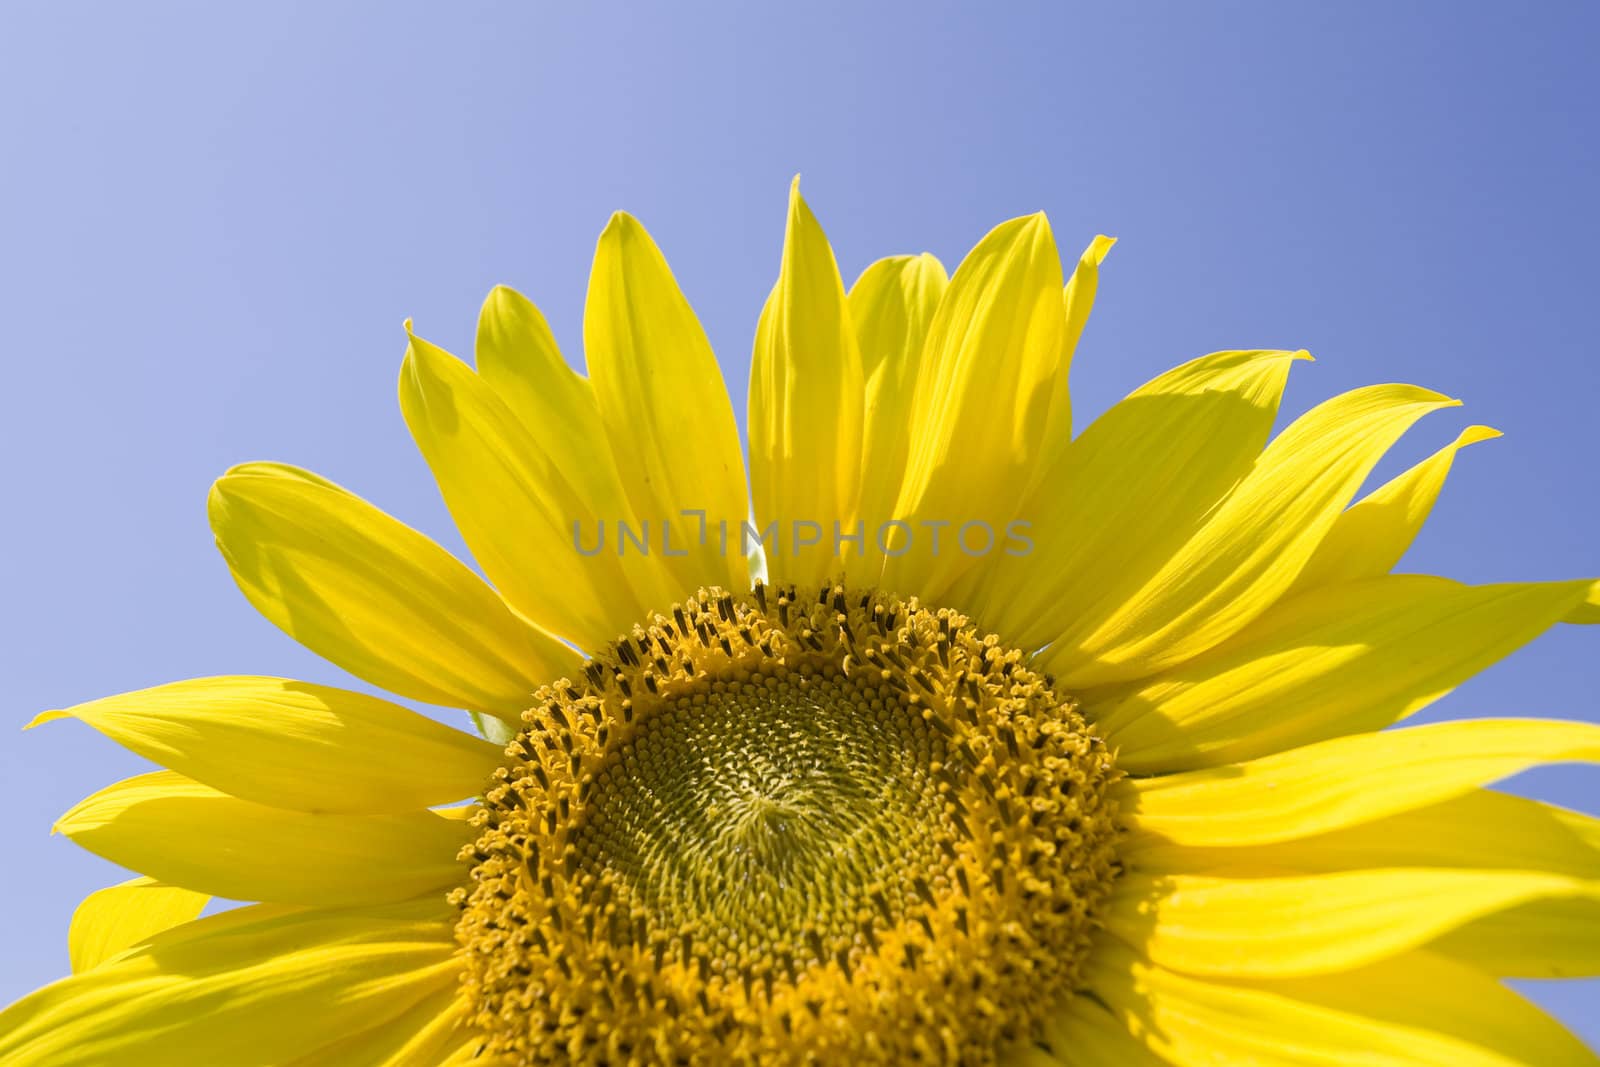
point(790, 827)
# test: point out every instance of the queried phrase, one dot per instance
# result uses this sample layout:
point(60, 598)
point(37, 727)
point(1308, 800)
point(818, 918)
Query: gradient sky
point(213, 220)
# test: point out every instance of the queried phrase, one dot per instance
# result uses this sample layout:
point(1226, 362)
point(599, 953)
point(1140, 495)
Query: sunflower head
point(1033, 745)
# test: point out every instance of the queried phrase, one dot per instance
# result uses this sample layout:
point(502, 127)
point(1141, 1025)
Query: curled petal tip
point(1098, 248)
point(43, 717)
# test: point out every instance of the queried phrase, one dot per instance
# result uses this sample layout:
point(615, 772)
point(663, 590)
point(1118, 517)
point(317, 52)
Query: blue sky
point(213, 220)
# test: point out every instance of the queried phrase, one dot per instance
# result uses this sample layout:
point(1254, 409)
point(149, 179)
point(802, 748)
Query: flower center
point(788, 828)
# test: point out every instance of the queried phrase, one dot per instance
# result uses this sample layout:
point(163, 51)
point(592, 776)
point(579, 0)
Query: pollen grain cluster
point(797, 826)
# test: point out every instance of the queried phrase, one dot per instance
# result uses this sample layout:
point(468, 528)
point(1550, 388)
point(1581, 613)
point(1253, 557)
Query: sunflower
point(947, 737)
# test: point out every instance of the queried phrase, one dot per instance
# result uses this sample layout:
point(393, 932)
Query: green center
point(770, 813)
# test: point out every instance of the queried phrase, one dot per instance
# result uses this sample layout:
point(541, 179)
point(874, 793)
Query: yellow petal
point(528, 520)
point(1370, 537)
point(294, 745)
point(468, 1053)
point(1077, 301)
point(1251, 547)
point(1482, 829)
point(806, 396)
point(664, 407)
point(1084, 1032)
point(983, 401)
point(277, 982)
point(1418, 1010)
point(891, 305)
point(1130, 492)
point(1557, 938)
point(1329, 785)
point(425, 1035)
point(1587, 613)
point(374, 596)
point(183, 833)
point(1335, 660)
point(1273, 927)
point(517, 355)
point(115, 919)
point(1025, 1054)
point(1078, 295)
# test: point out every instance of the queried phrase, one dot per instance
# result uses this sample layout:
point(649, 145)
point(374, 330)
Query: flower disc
point(788, 828)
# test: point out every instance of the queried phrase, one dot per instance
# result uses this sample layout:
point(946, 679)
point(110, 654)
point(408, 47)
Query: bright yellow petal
point(518, 356)
point(1077, 301)
point(1547, 938)
point(1415, 1011)
point(664, 407)
point(295, 745)
point(1587, 613)
point(806, 396)
point(1251, 547)
point(983, 402)
point(1370, 537)
point(1335, 660)
point(374, 596)
point(1078, 295)
point(183, 833)
point(891, 305)
point(1480, 830)
point(1277, 927)
point(277, 982)
point(1085, 1034)
point(1557, 938)
point(424, 1036)
point(1126, 496)
point(115, 919)
point(516, 353)
point(528, 520)
point(469, 1050)
point(469, 1053)
point(1330, 785)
